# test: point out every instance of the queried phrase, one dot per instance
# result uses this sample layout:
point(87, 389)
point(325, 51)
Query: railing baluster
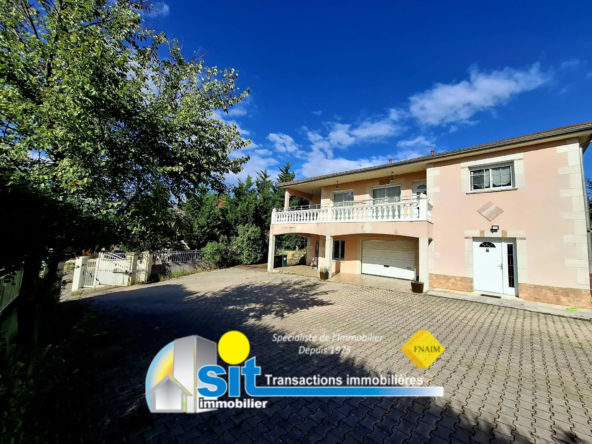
point(383, 211)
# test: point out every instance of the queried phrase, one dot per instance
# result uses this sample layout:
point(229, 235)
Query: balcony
point(374, 210)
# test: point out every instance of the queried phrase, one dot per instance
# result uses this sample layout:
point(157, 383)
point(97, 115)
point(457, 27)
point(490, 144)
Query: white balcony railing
point(357, 211)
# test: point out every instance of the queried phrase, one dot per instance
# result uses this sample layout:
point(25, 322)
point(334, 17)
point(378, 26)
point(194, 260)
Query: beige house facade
point(507, 218)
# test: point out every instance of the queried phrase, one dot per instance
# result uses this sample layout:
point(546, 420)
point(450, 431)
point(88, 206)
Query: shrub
point(218, 254)
point(248, 247)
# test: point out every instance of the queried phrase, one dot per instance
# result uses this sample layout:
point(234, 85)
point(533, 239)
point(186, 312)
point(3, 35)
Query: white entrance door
point(494, 265)
point(389, 259)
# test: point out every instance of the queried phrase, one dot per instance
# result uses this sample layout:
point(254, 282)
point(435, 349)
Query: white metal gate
point(88, 273)
point(113, 269)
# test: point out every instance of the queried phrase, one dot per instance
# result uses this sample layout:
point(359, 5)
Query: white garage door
point(389, 259)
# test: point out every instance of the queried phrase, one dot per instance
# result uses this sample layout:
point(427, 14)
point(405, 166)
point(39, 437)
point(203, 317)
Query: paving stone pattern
point(508, 375)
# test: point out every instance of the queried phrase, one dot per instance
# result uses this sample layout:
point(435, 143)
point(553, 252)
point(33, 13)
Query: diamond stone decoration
point(490, 211)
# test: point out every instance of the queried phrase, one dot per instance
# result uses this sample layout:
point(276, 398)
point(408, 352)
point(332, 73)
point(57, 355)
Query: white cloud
point(397, 114)
point(164, 12)
point(283, 143)
point(460, 101)
point(371, 130)
point(317, 113)
point(222, 116)
point(240, 109)
point(263, 152)
point(237, 111)
point(242, 131)
point(318, 164)
point(419, 141)
point(410, 154)
point(159, 10)
point(255, 164)
point(570, 64)
point(339, 136)
point(343, 135)
point(251, 146)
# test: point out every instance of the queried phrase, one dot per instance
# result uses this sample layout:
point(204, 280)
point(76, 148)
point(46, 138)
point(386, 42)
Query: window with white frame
point(492, 177)
point(344, 198)
point(386, 195)
point(339, 250)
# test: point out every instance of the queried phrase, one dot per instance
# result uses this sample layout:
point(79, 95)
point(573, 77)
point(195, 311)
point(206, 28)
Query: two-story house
point(502, 218)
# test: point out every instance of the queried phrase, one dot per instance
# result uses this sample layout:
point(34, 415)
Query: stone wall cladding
point(571, 297)
point(456, 283)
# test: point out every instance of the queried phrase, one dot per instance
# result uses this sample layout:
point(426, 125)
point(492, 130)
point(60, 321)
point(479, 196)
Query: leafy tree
point(289, 241)
point(285, 174)
point(207, 215)
point(101, 126)
point(266, 199)
point(241, 207)
point(204, 218)
point(249, 246)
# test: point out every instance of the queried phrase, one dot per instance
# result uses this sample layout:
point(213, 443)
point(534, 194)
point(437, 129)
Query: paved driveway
point(508, 375)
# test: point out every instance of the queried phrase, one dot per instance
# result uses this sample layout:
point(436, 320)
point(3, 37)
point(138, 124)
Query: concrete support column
point(424, 273)
point(271, 252)
point(329, 255)
point(286, 200)
point(77, 281)
point(310, 244)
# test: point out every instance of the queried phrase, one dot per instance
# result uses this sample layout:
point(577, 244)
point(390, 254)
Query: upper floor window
point(492, 177)
point(420, 189)
point(343, 198)
point(386, 194)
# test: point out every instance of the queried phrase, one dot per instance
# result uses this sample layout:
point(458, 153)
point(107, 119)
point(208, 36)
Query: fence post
point(148, 257)
point(423, 207)
point(133, 258)
point(79, 265)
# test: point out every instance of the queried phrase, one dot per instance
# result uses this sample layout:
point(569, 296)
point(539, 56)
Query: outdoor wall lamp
point(392, 180)
point(494, 228)
point(337, 186)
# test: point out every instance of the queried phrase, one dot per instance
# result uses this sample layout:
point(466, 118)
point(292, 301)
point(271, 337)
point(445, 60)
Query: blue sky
point(338, 85)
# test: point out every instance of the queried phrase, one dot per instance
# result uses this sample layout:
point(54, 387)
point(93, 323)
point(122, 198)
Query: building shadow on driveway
point(134, 325)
